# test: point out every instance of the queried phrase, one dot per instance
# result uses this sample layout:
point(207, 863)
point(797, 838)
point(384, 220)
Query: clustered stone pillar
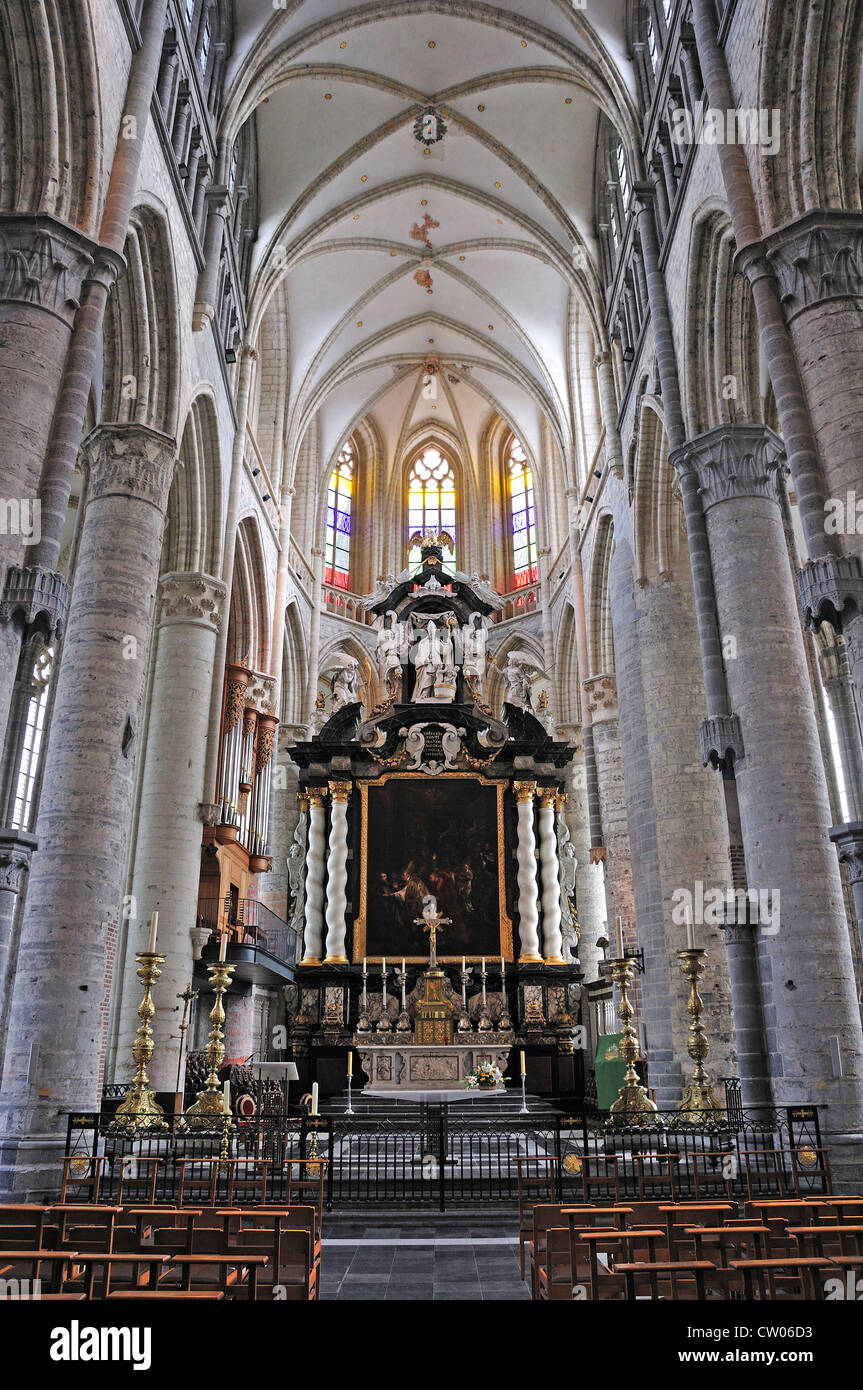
point(600, 695)
point(552, 940)
point(528, 912)
point(167, 861)
point(58, 1017)
point(805, 957)
point(337, 873)
point(313, 936)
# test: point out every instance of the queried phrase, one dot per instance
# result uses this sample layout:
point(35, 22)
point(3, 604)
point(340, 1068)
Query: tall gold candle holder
point(698, 1102)
point(208, 1111)
point(139, 1110)
point(633, 1103)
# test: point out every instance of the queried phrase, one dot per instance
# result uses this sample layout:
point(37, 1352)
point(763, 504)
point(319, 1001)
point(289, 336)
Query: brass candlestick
point(698, 1099)
point(208, 1111)
point(633, 1103)
point(139, 1110)
point(187, 996)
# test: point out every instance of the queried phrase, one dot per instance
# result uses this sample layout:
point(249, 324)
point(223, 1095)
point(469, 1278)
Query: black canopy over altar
point(431, 792)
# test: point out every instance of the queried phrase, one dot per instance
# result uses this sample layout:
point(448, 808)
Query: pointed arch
point(141, 369)
point(248, 623)
point(600, 635)
point(658, 515)
point(195, 505)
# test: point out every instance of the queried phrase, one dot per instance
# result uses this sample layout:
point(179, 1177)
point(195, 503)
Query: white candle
point(223, 945)
point(154, 923)
point(502, 970)
point(483, 965)
point(620, 938)
point(404, 977)
point(523, 1068)
point(226, 1097)
point(350, 1064)
point(314, 1097)
point(690, 930)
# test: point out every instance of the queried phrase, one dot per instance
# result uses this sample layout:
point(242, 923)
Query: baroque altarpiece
point(438, 929)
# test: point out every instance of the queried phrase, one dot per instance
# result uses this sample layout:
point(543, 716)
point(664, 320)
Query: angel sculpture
point(484, 591)
point(345, 682)
point(474, 658)
point(386, 584)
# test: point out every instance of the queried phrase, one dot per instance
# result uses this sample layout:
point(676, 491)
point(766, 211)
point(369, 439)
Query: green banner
point(610, 1070)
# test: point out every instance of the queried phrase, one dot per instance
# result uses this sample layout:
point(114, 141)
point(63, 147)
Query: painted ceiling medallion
point(424, 280)
point(420, 230)
point(429, 127)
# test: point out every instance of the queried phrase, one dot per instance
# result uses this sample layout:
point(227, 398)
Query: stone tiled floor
point(419, 1258)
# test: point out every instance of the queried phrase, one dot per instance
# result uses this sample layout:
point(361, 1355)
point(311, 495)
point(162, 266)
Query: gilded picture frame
point(502, 945)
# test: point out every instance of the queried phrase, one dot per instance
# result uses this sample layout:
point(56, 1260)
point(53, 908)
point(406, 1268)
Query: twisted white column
point(313, 936)
point(552, 940)
point(528, 914)
point(337, 874)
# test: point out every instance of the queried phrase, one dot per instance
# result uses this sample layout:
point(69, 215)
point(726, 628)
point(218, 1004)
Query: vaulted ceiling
point(474, 251)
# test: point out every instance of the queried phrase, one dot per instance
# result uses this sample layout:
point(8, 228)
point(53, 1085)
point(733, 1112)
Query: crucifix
point(432, 921)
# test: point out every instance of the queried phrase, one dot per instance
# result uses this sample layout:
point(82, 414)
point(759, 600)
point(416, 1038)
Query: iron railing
point(434, 1156)
point(250, 922)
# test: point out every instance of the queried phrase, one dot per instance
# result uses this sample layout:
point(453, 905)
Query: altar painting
point(442, 837)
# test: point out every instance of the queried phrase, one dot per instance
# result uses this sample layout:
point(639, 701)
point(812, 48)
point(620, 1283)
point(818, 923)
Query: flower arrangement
point(486, 1077)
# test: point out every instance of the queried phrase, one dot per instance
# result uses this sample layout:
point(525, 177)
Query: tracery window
point(337, 544)
point(613, 194)
point(206, 36)
point(190, 10)
point(523, 517)
point(431, 501)
point(31, 744)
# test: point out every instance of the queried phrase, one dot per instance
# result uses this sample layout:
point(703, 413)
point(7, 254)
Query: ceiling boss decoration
point(429, 127)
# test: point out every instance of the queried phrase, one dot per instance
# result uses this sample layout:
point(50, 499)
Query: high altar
point(432, 907)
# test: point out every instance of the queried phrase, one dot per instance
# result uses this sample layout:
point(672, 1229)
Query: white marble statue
point(346, 683)
point(434, 659)
point(475, 652)
point(516, 677)
point(388, 649)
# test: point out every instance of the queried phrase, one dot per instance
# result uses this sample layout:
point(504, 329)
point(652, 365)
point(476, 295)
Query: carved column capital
point(341, 791)
point(261, 693)
point(130, 461)
point(524, 791)
point(547, 797)
point(14, 863)
point(849, 842)
point(733, 461)
point(600, 694)
point(316, 797)
point(191, 598)
point(721, 741)
point(43, 262)
point(39, 596)
point(830, 590)
point(817, 258)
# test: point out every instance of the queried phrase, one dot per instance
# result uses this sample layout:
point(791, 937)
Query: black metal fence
point(432, 1156)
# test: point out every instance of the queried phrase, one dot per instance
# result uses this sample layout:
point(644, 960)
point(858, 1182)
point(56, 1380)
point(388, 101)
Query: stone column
point(313, 936)
point(836, 679)
point(167, 857)
point(16, 849)
point(849, 841)
point(552, 941)
point(589, 877)
point(337, 873)
point(528, 914)
point(754, 1068)
point(807, 974)
point(315, 632)
point(59, 1006)
point(600, 697)
point(42, 268)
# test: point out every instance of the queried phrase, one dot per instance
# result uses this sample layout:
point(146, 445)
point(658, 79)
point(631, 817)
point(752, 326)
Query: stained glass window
point(204, 51)
point(523, 512)
point(431, 501)
point(337, 547)
point(31, 748)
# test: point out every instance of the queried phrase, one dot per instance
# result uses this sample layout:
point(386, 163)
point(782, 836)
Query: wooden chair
point(148, 1294)
point(190, 1180)
point(763, 1163)
point(545, 1215)
point(197, 1269)
point(292, 1218)
point(245, 1186)
point(131, 1181)
point(649, 1177)
point(290, 1272)
point(679, 1215)
point(27, 1264)
point(537, 1181)
point(703, 1167)
point(304, 1183)
point(135, 1265)
point(27, 1226)
point(554, 1275)
point(600, 1180)
point(587, 1246)
point(797, 1271)
point(86, 1182)
point(83, 1226)
point(674, 1270)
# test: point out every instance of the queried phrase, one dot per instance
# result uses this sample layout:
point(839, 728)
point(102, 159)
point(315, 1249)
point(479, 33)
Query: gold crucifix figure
point(432, 921)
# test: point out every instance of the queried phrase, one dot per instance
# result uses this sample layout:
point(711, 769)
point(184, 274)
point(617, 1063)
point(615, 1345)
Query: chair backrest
point(138, 1177)
point(82, 1177)
point(248, 1176)
point(289, 1250)
point(201, 1176)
